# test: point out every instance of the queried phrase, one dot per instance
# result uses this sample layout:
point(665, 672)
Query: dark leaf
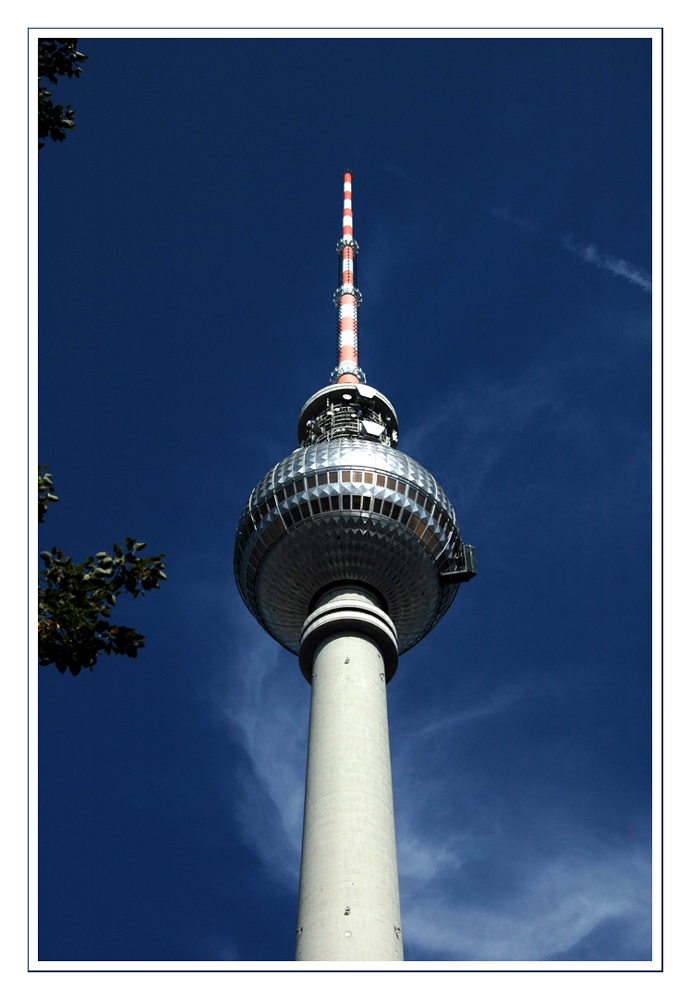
point(75, 602)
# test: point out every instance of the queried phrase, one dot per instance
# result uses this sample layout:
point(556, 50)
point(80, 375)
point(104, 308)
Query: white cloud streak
point(393, 168)
point(267, 705)
point(557, 904)
point(492, 417)
point(506, 216)
point(587, 252)
point(551, 885)
point(617, 266)
point(489, 422)
point(432, 728)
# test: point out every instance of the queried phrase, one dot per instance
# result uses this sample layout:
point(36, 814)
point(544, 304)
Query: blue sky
point(502, 197)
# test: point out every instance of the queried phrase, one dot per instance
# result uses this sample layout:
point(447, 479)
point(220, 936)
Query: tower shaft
point(349, 906)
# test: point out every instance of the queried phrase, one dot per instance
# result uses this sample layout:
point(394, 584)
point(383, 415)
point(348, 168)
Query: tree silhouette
point(75, 600)
point(56, 57)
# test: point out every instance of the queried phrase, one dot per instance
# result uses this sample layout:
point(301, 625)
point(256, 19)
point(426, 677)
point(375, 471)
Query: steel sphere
point(348, 509)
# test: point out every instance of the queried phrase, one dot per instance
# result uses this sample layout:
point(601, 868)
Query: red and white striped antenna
point(347, 298)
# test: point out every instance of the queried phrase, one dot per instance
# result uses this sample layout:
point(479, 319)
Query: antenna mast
point(347, 298)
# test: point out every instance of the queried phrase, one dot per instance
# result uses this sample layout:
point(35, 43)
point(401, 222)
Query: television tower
point(348, 553)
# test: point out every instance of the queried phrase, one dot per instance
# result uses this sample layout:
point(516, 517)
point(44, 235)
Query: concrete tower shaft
point(349, 907)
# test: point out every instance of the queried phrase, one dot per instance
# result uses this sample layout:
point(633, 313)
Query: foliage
point(56, 57)
point(75, 601)
point(45, 494)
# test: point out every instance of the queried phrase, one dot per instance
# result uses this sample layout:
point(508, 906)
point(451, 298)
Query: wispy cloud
point(267, 705)
point(480, 881)
point(487, 423)
point(393, 168)
point(492, 416)
point(507, 216)
point(587, 252)
point(556, 905)
point(590, 254)
point(501, 700)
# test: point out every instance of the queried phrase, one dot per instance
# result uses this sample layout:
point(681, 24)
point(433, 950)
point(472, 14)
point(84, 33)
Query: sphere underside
point(347, 510)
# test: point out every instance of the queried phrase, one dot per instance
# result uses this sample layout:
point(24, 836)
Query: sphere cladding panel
point(390, 525)
point(343, 452)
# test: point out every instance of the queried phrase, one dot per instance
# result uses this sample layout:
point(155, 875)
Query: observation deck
point(349, 508)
